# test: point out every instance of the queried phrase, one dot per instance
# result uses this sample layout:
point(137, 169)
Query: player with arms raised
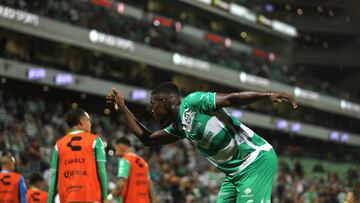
point(248, 161)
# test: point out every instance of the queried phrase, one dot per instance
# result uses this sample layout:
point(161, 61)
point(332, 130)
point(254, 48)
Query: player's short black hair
point(73, 117)
point(35, 177)
point(166, 88)
point(123, 140)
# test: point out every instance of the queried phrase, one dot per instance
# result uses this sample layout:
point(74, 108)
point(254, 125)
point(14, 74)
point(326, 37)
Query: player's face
point(159, 109)
point(120, 150)
point(85, 122)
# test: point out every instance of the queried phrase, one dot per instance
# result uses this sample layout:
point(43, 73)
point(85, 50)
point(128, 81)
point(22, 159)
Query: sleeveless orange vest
point(77, 172)
point(36, 196)
point(137, 185)
point(9, 187)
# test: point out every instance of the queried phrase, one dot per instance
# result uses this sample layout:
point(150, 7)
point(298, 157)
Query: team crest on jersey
point(188, 117)
point(247, 191)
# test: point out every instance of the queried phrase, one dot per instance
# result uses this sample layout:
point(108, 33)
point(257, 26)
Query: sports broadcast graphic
point(182, 101)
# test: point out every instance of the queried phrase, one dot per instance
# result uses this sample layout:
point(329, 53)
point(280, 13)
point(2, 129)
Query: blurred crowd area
point(292, 185)
point(41, 52)
point(85, 14)
point(30, 126)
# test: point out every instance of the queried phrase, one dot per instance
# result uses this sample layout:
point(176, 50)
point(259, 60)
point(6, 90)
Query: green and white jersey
point(220, 137)
point(123, 169)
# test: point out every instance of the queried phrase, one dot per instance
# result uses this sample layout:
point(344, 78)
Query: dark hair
point(123, 140)
point(166, 88)
point(35, 177)
point(73, 117)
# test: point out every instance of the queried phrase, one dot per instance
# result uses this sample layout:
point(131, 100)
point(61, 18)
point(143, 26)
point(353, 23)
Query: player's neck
point(34, 187)
point(4, 168)
point(76, 128)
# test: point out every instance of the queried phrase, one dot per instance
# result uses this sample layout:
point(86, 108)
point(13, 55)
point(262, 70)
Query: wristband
point(110, 197)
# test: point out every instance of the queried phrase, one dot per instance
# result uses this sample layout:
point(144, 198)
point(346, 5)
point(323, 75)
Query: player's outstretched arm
point(243, 98)
point(147, 137)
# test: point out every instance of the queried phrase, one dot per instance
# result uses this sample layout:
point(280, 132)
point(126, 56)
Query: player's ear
point(81, 120)
point(172, 100)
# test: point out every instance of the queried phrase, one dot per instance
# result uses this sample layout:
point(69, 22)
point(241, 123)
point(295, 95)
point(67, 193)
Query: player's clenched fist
point(283, 96)
point(116, 98)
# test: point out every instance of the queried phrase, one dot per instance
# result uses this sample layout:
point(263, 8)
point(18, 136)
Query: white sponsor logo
point(253, 80)
point(112, 41)
point(247, 191)
point(306, 94)
point(187, 120)
point(349, 106)
point(191, 63)
point(19, 16)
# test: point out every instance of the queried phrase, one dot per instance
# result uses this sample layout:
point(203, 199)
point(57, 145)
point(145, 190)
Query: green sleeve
point(124, 168)
point(201, 101)
point(53, 176)
point(101, 168)
point(171, 130)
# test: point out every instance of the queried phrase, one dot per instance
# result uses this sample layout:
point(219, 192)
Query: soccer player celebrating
point(134, 183)
point(35, 194)
point(78, 163)
point(12, 184)
point(248, 161)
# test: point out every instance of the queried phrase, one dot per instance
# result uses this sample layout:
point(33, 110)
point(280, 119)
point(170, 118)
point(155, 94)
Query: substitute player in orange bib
point(78, 164)
point(12, 184)
point(35, 194)
point(134, 183)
